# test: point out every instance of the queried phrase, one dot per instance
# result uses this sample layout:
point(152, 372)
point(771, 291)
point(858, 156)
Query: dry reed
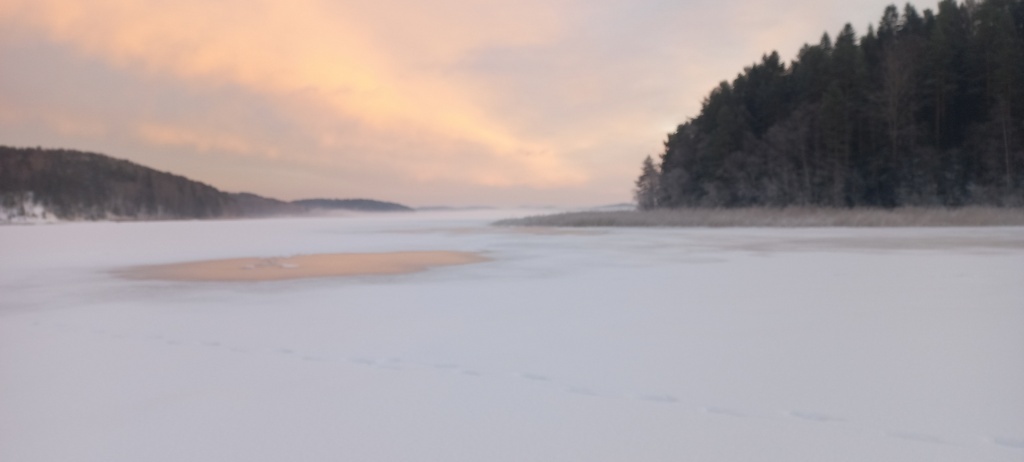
point(789, 217)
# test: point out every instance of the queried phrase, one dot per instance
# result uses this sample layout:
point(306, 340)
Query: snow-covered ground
point(587, 345)
point(22, 208)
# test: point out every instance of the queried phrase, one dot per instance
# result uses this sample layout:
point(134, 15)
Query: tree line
point(927, 109)
point(74, 185)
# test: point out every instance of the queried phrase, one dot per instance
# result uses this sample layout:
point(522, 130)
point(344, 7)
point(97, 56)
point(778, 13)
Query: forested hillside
point(927, 108)
point(74, 185)
point(56, 184)
point(78, 185)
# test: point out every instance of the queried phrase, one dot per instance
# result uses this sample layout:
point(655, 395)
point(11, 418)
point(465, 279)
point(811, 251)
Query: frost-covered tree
point(646, 193)
point(927, 109)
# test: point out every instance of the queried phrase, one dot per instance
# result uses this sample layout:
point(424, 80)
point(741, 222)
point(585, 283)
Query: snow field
point(620, 344)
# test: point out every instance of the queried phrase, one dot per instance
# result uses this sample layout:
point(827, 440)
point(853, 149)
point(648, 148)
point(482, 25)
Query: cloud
point(203, 142)
point(318, 57)
point(442, 101)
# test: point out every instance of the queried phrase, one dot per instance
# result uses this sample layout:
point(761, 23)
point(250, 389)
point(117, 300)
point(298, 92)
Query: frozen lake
point(578, 345)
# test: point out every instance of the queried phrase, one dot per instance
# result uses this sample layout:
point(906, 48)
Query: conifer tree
point(927, 109)
point(646, 193)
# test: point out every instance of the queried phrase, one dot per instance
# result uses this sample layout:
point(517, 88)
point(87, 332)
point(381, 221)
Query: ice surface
point(611, 345)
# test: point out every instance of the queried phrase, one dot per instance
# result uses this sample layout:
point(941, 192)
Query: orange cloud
point(200, 141)
point(68, 124)
point(383, 67)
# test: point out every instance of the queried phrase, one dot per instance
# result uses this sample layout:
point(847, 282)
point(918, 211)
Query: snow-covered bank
point(622, 344)
point(22, 208)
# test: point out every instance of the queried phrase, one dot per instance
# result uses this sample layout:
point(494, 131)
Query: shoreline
point(787, 217)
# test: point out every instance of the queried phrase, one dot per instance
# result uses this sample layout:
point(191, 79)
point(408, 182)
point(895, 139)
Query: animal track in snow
point(397, 364)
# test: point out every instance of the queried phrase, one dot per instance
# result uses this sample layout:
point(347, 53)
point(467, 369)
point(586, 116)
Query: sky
point(442, 102)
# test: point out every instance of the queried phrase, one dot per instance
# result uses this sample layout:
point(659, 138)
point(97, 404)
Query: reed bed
point(788, 217)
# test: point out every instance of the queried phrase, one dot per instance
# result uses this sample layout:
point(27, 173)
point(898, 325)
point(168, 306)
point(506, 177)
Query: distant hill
point(449, 208)
point(56, 184)
point(362, 205)
point(251, 205)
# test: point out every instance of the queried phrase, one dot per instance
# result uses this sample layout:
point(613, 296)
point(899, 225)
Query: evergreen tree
point(646, 193)
point(927, 109)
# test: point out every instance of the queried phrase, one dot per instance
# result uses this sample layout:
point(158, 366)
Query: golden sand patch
point(303, 266)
